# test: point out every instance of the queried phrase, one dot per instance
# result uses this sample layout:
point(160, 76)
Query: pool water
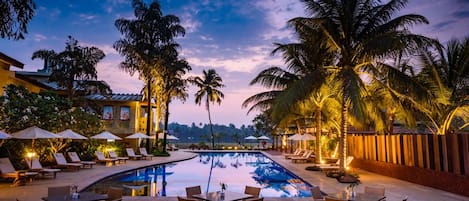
point(209, 170)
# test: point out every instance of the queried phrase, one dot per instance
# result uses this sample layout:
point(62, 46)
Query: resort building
point(9, 77)
point(122, 114)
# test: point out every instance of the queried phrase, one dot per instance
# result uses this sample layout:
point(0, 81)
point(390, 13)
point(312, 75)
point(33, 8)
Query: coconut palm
point(445, 72)
point(208, 85)
point(299, 91)
point(174, 86)
point(360, 32)
point(147, 40)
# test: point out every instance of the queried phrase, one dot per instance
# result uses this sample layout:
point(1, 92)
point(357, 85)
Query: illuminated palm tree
point(174, 86)
point(208, 85)
point(147, 40)
point(302, 89)
point(446, 75)
point(360, 32)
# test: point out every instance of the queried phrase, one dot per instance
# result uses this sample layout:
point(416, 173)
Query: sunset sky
point(234, 37)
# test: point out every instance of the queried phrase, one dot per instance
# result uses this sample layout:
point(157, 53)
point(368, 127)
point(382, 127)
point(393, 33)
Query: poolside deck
point(395, 189)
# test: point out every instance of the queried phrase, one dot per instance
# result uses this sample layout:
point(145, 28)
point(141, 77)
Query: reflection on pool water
point(236, 169)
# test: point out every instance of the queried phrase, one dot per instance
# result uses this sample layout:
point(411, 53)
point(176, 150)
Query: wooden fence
point(422, 155)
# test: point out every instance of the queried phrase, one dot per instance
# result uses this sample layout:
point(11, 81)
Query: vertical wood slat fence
point(439, 161)
point(447, 153)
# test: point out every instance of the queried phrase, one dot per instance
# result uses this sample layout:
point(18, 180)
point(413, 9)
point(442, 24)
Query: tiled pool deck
point(395, 189)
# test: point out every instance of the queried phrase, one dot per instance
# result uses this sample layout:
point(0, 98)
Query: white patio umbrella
point(106, 135)
point(168, 136)
point(171, 137)
point(70, 134)
point(33, 133)
point(263, 138)
point(250, 138)
point(300, 137)
point(139, 136)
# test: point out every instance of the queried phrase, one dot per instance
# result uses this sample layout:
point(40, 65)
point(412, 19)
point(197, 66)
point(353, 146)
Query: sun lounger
point(335, 166)
point(7, 171)
point(75, 159)
point(297, 153)
point(174, 148)
point(62, 162)
point(101, 159)
point(131, 154)
point(113, 154)
point(305, 157)
point(143, 152)
point(35, 166)
point(171, 147)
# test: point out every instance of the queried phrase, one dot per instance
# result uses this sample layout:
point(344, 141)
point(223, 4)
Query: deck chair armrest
point(21, 172)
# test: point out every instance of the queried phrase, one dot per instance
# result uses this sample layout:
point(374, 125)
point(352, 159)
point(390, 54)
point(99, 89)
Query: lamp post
point(31, 155)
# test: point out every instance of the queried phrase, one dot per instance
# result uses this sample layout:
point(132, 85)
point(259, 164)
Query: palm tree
point(174, 86)
point(360, 32)
point(46, 56)
point(208, 86)
point(446, 74)
point(299, 88)
point(73, 68)
point(147, 40)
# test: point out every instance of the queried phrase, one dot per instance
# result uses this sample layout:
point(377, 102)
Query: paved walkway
point(38, 188)
point(395, 189)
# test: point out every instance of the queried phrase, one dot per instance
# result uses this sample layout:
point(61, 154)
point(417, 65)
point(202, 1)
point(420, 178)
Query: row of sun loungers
point(307, 155)
point(7, 171)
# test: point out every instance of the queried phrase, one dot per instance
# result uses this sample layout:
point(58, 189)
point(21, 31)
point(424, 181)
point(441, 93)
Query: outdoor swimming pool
point(236, 169)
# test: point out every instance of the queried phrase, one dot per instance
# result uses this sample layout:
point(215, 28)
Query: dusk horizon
point(233, 37)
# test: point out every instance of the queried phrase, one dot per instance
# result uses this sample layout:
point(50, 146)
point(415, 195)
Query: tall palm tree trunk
point(343, 131)
point(318, 135)
point(149, 117)
point(210, 122)
point(166, 117)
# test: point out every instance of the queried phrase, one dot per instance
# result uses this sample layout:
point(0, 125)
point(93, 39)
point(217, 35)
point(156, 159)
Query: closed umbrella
point(70, 134)
point(106, 135)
